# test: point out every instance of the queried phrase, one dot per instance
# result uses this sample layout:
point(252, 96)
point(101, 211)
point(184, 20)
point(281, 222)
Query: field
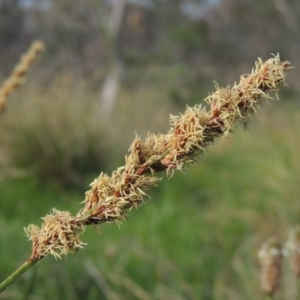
point(199, 235)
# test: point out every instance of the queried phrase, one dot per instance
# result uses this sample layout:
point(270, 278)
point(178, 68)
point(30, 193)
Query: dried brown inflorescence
point(110, 197)
point(271, 258)
point(17, 77)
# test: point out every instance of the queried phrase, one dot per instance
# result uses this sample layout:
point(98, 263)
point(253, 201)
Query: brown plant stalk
point(17, 77)
point(271, 258)
point(111, 197)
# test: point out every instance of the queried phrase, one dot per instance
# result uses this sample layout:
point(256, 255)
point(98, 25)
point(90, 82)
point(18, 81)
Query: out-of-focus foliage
point(208, 36)
point(168, 52)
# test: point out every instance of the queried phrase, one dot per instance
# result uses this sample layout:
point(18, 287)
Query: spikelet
point(111, 197)
point(59, 235)
point(270, 257)
point(17, 77)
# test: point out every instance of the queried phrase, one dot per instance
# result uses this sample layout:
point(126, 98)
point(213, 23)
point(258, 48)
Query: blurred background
point(115, 68)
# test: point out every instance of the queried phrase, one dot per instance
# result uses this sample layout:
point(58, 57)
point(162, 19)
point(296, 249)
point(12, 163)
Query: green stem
point(16, 274)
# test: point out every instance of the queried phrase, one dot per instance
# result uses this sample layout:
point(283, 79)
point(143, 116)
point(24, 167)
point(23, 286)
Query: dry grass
point(17, 77)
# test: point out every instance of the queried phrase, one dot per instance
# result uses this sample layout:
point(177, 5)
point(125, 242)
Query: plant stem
point(17, 273)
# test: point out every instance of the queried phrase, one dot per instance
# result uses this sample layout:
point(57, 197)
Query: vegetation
point(178, 227)
point(199, 236)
